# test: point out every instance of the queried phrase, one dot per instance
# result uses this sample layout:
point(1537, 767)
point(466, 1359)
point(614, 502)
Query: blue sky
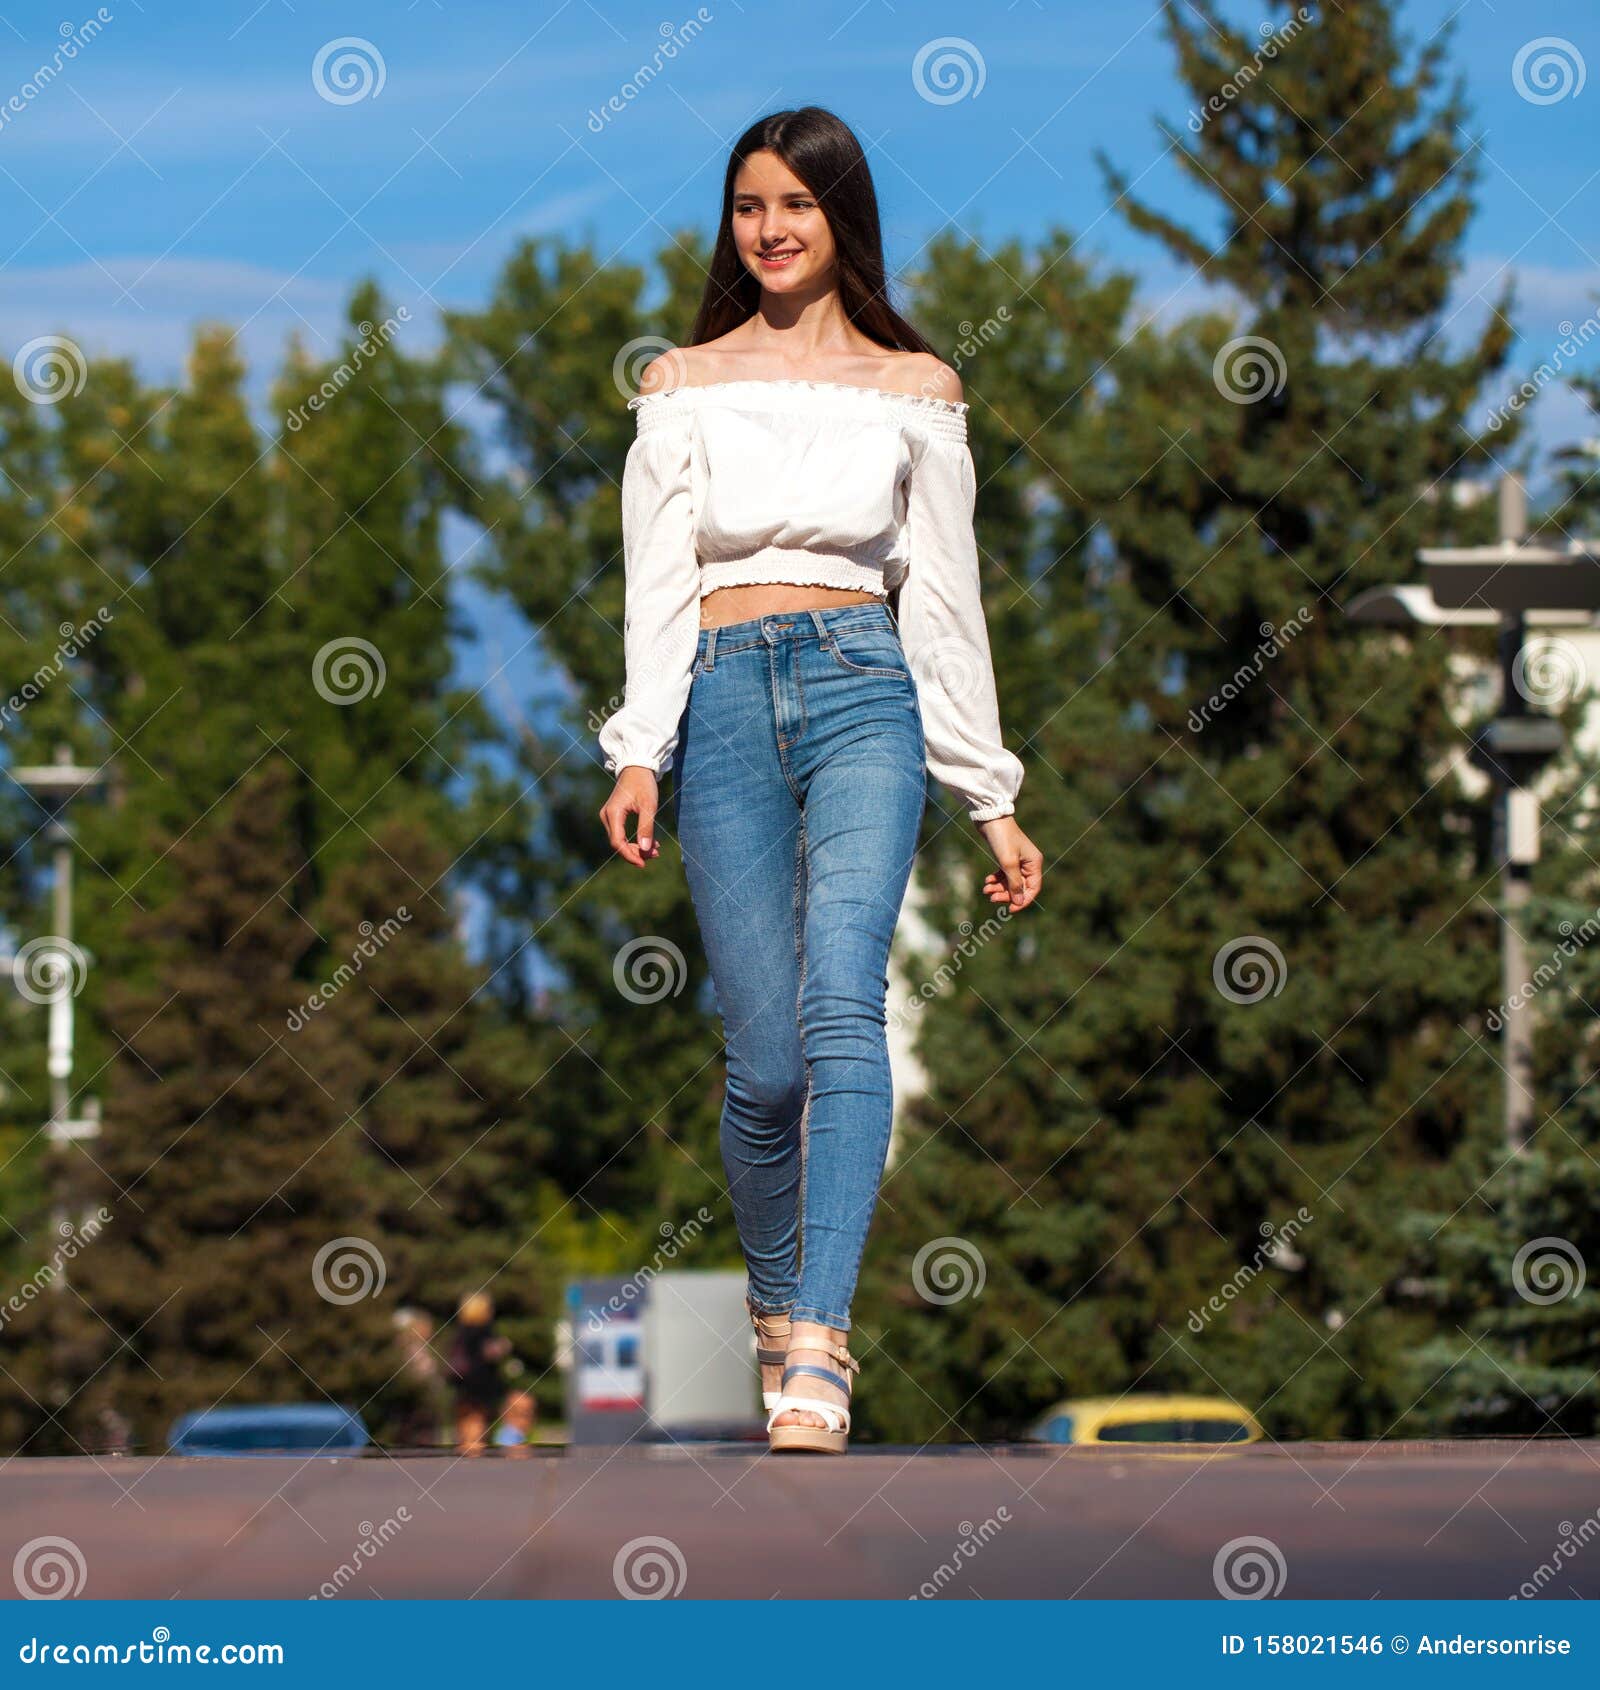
point(184, 166)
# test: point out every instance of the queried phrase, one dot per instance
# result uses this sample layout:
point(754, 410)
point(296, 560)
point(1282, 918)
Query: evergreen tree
point(243, 1260)
point(446, 1095)
point(233, 563)
point(1255, 992)
point(1577, 503)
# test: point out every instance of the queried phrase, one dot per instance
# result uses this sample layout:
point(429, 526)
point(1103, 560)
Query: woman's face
point(779, 229)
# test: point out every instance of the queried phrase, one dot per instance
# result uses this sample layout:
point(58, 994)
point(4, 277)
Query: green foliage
point(1120, 1113)
point(1123, 1105)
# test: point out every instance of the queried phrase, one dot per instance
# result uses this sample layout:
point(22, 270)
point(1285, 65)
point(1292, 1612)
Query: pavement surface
point(1354, 1521)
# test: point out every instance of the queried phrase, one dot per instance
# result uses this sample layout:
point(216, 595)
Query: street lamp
point(1510, 586)
point(55, 961)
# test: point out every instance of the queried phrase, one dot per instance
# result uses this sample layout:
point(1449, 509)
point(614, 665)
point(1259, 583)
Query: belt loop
point(824, 632)
point(711, 651)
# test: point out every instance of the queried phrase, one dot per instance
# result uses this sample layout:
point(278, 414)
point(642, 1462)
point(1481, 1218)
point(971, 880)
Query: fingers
point(1019, 877)
point(627, 798)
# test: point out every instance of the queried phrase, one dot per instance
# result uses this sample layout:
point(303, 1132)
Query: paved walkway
point(1323, 1520)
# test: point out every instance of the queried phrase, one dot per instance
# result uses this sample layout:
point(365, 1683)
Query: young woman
point(801, 465)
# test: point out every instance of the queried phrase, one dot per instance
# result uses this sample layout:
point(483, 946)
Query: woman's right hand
point(635, 792)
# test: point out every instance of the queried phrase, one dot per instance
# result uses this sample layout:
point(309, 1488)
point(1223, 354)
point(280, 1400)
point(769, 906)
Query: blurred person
point(475, 1359)
point(517, 1421)
point(420, 1427)
point(804, 640)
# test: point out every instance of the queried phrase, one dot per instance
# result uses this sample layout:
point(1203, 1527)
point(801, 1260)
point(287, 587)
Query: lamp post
point(1510, 586)
point(55, 962)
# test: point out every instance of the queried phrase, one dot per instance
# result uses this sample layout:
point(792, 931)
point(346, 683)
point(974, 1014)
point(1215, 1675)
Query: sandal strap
point(835, 1352)
point(771, 1329)
point(836, 1418)
point(802, 1369)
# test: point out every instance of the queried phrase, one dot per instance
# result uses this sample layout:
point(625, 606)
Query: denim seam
point(800, 728)
point(819, 1317)
point(802, 892)
point(759, 1307)
point(779, 743)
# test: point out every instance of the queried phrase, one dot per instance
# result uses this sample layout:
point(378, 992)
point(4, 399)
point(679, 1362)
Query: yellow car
point(1147, 1420)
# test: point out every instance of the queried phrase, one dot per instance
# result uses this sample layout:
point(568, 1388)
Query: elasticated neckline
point(950, 407)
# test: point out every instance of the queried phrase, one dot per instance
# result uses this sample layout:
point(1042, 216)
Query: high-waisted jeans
point(800, 785)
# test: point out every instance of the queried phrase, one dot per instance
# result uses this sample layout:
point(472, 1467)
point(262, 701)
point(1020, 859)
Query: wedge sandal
point(772, 1346)
point(833, 1437)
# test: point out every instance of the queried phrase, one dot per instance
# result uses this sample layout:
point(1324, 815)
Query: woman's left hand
point(1021, 864)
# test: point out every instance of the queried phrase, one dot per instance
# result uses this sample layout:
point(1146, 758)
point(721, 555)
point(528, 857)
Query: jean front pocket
point(870, 651)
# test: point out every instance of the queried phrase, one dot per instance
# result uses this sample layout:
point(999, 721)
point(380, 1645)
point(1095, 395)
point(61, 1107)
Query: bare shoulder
point(922, 375)
point(669, 369)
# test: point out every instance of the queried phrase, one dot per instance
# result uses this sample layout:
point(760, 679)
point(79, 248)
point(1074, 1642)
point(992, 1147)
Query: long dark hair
point(823, 152)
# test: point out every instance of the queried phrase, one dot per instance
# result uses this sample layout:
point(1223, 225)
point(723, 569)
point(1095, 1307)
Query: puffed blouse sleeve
point(942, 626)
point(661, 586)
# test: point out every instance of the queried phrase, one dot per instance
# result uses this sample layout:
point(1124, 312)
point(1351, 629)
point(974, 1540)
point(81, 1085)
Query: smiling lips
point(780, 258)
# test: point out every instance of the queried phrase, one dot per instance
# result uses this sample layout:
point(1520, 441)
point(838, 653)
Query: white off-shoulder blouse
point(732, 483)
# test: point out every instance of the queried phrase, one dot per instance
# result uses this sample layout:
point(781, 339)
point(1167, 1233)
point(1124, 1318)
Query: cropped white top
point(737, 482)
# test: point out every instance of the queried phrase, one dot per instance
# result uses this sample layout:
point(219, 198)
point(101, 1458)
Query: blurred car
point(1146, 1420)
point(270, 1429)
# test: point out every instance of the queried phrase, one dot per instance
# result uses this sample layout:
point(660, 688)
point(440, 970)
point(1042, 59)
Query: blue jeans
point(799, 790)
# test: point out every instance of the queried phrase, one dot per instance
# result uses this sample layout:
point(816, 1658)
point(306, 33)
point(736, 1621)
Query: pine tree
point(232, 562)
point(243, 1260)
point(1577, 504)
point(1251, 990)
point(453, 1130)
